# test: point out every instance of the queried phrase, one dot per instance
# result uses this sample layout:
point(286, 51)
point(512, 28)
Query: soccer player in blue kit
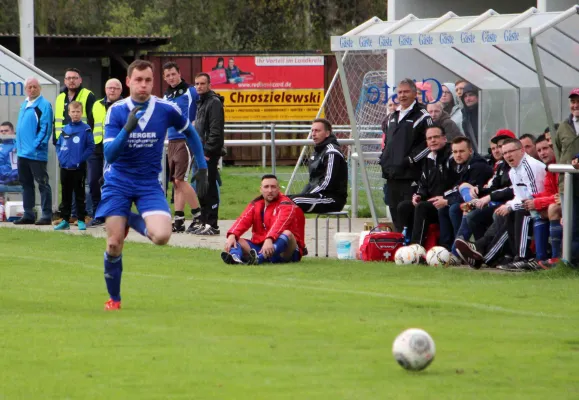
point(135, 130)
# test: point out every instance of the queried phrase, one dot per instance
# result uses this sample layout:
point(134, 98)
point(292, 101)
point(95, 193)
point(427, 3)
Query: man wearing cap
point(470, 114)
point(566, 146)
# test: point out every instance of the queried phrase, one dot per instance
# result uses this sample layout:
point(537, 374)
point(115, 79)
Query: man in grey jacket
point(441, 117)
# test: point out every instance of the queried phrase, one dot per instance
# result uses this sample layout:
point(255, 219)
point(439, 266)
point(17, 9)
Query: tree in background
point(203, 25)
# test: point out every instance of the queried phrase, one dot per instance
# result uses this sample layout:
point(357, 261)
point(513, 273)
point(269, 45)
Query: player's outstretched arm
point(114, 147)
point(196, 146)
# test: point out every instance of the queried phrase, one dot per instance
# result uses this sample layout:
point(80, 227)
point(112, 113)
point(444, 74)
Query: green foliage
point(204, 25)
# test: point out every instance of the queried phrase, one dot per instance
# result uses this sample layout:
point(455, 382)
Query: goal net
point(366, 76)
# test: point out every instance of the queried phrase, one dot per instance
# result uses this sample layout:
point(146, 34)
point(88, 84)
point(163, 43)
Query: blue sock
point(113, 273)
point(556, 231)
point(465, 193)
point(236, 251)
point(138, 223)
point(541, 234)
point(279, 246)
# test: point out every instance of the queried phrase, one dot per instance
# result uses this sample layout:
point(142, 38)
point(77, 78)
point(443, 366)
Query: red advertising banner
point(268, 88)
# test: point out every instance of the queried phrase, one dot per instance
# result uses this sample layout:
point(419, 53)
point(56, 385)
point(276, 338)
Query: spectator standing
point(178, 153)
point(95, 163)
point(442, 118)
point(327, 189)
point(74, 91)
point(33, 132)
point(566, 146)
point(210, 125)
point(405, 148)
point(452, 104)
point(470, 117)
point(74, 146)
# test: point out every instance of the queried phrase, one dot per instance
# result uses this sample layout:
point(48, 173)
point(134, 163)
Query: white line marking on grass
point(278, 284)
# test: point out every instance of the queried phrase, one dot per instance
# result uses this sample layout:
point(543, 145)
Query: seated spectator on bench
point(8, 158)
point(482, 200)
point(465, 167)
point(528, 140)
point(327, 189)
point(528, 178)
point(277, 229)
point(545, 203)
point(417, 214)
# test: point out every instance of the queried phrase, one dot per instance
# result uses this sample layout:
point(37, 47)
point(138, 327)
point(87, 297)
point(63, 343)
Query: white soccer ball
point(405, 255)
point(414, 349)
point(437, 256)
point(420, 251)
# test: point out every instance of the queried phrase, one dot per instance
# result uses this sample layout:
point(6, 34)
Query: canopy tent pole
point(543, 86)
point(356, 137)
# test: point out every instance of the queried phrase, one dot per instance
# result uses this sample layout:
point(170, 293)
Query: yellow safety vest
point(81, 97)
point(99, 114)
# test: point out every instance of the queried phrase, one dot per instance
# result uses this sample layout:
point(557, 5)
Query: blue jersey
point(187, 103)
point(141, 158)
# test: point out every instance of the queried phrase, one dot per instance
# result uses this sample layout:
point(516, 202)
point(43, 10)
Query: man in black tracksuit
point(418, 213)
point(327, 189)
point(405, 148)
point(210, 124)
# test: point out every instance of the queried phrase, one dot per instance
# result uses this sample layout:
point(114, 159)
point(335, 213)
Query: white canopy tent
point(523, 64)
point(13, 72)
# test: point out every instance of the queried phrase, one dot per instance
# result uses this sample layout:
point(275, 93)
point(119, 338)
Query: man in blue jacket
point(178, 153)
point(74, 146)
point(33, 132)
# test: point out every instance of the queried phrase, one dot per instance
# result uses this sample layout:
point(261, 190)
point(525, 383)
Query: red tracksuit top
point(547, 197)
point(271, 220)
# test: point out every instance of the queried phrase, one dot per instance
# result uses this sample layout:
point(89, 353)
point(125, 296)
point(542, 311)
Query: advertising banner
point(268, 88)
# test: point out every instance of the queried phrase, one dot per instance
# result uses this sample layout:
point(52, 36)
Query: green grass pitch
point(194, 328)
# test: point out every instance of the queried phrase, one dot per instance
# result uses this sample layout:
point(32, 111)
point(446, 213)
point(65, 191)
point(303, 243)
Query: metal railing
point(568, 170)
point(274, 129)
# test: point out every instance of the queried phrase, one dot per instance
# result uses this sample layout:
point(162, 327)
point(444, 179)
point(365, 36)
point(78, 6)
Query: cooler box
point(14, 210)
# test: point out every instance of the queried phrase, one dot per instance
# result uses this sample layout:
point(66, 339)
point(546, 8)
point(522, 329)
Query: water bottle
point(534, 213)
point(405, 234)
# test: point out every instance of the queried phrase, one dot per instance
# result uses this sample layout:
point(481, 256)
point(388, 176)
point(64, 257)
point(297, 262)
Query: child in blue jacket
point(75, 144)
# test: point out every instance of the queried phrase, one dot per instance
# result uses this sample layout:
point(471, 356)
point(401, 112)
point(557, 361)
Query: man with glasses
point(73, 91)
point(95, 163)
point(513, 222)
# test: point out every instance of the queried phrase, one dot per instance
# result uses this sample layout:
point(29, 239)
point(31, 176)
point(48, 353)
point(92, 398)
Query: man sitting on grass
point(277, 227)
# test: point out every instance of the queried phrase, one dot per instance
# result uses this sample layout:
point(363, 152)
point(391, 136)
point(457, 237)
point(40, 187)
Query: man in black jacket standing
point(210, 124)
point(405, 148)
point(327, 189)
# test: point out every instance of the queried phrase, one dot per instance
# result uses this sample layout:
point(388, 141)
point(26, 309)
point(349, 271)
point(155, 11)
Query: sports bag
point(380, 246)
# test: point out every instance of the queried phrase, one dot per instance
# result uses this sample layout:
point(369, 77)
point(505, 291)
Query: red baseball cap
point(574, 92)
point(503, 134)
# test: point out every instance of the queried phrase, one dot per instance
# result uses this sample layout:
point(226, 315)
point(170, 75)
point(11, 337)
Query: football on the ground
point(438, 256)
point(414, 349)
point(405, 255)
point(420, 251)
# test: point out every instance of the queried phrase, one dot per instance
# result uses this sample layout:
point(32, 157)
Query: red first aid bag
point(380, 245)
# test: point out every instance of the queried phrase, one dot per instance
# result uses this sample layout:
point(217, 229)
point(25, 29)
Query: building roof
point(64, 45)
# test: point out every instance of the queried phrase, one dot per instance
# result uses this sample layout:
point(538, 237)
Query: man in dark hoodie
point(327, 189)
point(470, 114)
point(405, 148)
point(466, 166)
point(210, 124)
point(442, 118)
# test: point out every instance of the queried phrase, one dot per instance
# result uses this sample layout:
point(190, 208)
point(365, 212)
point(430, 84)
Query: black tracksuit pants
point(72, 182)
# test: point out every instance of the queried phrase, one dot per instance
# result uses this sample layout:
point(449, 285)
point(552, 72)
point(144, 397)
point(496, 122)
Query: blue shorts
point(118, 196)
point(276, 259)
